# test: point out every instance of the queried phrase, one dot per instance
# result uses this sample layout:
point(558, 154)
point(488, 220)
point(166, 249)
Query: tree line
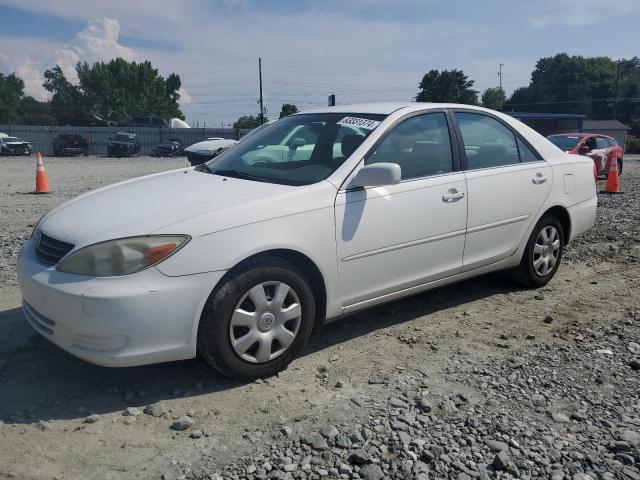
point(115, 91)
point(598, 87)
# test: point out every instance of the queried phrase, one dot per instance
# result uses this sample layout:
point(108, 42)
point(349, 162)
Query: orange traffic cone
point(613, 180)
point(42, 182)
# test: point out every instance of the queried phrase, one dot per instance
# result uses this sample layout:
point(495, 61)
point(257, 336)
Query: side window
point(602, 142)
point(421, 145)
point(591, 143)
point(526, 154)
point(487, 142)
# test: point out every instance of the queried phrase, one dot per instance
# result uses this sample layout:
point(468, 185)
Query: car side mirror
point(297, 142)
point(584, 149)
point(377, 175)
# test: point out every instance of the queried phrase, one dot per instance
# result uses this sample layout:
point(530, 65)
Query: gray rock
point(501, 461)
point(360, 457)
point(342, 441)
point(132, 412)
point(496, 446)
point(196, 434)
point(93, 418)
point(315, 441)
point(371, 472)
point(156, 409)
point(560, 417)
point(329, 431)
point(182, 423)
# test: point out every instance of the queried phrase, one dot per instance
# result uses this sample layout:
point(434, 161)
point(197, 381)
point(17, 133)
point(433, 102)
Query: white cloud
point(185, 97)
point(580, 13)
point(28, 71)
point(98, 42)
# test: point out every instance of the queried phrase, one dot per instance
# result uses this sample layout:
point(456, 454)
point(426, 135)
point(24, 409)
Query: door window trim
point(463, 154)
point(456, 166)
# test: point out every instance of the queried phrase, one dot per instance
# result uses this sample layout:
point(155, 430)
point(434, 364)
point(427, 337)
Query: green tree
point(583, 85)
point(119, 90)
point(288, 109)
point(11, 93)
point(67, 100)
point(248, 122)
point(493, 98)
point(450, 86)
point(33, 112)
point(116, 90)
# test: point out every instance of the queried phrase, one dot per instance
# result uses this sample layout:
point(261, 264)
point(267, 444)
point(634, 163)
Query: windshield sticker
point(359, 122)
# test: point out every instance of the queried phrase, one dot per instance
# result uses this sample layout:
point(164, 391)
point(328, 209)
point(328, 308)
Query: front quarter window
point(296, 150)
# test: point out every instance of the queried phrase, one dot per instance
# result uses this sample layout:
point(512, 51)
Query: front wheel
point(255, 323)
point(543, 253)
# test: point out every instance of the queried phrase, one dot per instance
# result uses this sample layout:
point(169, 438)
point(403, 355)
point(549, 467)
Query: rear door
point(507, 183)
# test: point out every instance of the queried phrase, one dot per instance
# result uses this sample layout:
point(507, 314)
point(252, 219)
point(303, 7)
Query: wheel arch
point(562, 214)
point(304, 263)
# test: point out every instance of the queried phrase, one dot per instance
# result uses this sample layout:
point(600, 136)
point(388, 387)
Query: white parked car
point(238, 260)
point(206, 150)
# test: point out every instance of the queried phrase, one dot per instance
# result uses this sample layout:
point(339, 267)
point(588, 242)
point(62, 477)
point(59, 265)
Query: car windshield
point(564, 142)
point(124, 138)
point(296, 150)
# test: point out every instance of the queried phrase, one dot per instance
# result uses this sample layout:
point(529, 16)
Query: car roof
point(386, 108)
point(581, 135)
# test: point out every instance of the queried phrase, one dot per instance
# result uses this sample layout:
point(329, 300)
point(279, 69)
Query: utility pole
point(261, 104)
point(615, 105)
point(500, 75)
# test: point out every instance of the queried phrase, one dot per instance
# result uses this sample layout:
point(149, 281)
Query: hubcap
point(265, 322)
point(546, 250)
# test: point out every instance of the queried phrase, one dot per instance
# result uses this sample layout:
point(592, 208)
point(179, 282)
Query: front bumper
point(136, 319)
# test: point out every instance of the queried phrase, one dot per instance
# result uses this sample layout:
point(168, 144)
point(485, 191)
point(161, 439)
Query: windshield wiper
point(237, 174)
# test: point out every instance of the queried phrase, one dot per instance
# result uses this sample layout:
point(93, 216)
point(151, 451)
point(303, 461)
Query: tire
point(620, 163)
point(232, 303)
point(531, 273)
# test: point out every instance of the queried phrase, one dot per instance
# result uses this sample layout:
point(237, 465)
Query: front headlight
point(123, 256)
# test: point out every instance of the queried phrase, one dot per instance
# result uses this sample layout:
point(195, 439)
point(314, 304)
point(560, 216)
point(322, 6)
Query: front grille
point(50, 250)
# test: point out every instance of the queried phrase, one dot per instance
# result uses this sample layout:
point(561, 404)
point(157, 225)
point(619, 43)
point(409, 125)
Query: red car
point(602, 149)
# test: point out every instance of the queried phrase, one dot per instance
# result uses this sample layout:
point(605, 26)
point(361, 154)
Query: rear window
point(564, 142)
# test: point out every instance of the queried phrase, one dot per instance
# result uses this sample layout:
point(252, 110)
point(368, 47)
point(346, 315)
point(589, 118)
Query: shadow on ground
point(39, 381)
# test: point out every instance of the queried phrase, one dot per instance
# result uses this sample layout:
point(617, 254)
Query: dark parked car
point(70, 144)
point(170, 148)
point(124, 144)
point(14, 146)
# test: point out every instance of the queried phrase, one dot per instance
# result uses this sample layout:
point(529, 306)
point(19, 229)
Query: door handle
point(452, 195)
point(539, 179)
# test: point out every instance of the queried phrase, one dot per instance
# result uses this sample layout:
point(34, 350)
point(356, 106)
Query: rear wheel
point(254, 323)
point(543, 253)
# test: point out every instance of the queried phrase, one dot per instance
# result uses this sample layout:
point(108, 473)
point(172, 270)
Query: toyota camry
point(320, 214)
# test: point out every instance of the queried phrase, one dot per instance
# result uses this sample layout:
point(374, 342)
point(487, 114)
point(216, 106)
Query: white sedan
point(237, 259)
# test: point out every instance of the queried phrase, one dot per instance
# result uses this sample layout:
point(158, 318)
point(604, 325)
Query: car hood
point(156, 204)
point(210, 145)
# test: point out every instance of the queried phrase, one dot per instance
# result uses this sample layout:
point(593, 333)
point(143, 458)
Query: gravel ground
point(474, 380)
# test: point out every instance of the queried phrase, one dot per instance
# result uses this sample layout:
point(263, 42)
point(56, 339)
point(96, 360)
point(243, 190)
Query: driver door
point(400, 236)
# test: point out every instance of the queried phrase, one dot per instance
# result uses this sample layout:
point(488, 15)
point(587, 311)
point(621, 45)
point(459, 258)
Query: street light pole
point(261, 103)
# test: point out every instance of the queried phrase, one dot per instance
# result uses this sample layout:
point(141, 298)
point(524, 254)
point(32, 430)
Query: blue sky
point(361, 50)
